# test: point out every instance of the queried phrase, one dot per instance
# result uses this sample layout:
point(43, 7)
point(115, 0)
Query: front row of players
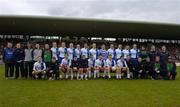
point(90, 68)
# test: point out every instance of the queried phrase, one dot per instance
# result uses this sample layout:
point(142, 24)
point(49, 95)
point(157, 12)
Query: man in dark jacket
point(19, 61)
point(8, 59)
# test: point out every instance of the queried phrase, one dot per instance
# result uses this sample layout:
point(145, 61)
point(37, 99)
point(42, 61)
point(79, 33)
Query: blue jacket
point(8, 55)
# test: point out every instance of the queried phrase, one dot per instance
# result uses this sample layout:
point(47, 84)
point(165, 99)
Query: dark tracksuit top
point(8, 55)
point(83, 63)
point(152, 55)
point(74, 63)
point(54, 66)
point(163, 59)
point(19, 54)
point(130, 65)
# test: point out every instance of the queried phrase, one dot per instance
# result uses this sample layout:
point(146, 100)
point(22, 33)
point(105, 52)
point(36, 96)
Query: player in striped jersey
point(103, 52)
point(118, 52)
point(91, 62)
point(71, 51)
point(62, 52)
point(99, 66)
point(110, 65)
point(111, 51)
point(122, 67)
point(94, 51)
point(78, 51)
point(126, 52)
point(55, 50)
point(65, 66)
point(85, 50)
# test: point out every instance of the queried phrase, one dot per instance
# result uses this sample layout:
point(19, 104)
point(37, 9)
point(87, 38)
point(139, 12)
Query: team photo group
point(84, 62)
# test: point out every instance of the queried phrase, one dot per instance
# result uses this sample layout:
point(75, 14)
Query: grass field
point(102, 93)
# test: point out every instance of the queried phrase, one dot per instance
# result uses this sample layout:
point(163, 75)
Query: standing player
point(94, 51)
point(163, 60)
point(37, 53)
point(19, 61)
point(83, 67)
point(134, 54)
point(71, 51)
point(62, 51)
point(119, 52)
point(47, 55)
point(152, 54)
point(122, 67)
point(8, 59)
point(99, 66)
point(110, 65)
point(111, 51)
point(55, 50)
point(126, 52)
point(143, 54)
point(85, 50)
point(91, 63)
point(65, 67)
point(103, 52)
point(28, 61)
point(39, 69)
point(78, 51)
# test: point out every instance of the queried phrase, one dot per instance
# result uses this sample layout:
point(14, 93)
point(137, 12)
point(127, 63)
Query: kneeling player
point(110, 65)
point(122, 68)
point(39, 69)
point(83, 67)
point(157, 68)
point(53, 69)
point(138, 69)
point(91, 63)
point(74, 67)
point(99, 64)
point(65, 67)
point(171, 68)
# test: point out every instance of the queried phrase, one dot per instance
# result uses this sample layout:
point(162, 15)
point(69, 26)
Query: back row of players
point(86, 63)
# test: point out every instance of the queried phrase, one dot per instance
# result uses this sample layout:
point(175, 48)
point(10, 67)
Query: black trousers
point(56, 72)
point(173, 74)
point(9, 69)
point(28, 68)
point(19, 67)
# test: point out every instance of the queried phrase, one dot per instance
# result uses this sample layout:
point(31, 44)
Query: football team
point(87, 62)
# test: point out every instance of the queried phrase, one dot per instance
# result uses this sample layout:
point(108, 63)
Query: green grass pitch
point(91, 93)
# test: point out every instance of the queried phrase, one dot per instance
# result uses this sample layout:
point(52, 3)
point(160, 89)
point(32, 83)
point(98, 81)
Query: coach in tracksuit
point(8, 59)
point(163, 60)
point(19, 61)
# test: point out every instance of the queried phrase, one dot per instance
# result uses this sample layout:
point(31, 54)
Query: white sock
point(128, 75)
point(85, 76)
point(89, 74)
point(72, 76)
point(81, 76)
point(95, 73)
point(60, 76)
point(117, 76)
point(104, 74)
point(77, 76)
point(109, 74)
point(66, 76)
point(120, 76)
